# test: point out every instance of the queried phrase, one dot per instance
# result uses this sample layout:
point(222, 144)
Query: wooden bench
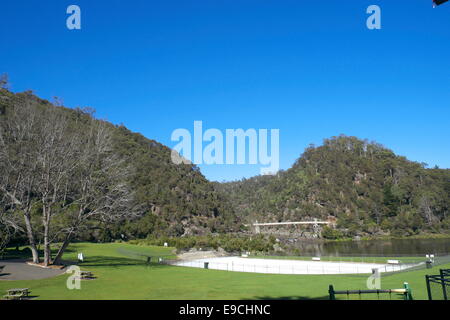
point(17, 293)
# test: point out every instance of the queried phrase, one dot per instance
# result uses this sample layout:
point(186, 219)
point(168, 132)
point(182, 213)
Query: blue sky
point(309, 68)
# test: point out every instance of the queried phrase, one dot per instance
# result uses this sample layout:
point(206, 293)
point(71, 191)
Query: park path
point(19, 270)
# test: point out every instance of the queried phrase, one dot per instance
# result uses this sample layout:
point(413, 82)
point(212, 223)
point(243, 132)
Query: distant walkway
point(290, 223)
point(315, 224)
point(19, 270)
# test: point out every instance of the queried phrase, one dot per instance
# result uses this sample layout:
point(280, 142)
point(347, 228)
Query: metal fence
point(293, 266)
point(305, 265)
point(405, 293)
point(410, 262)
point(359, 257)
point(438, 286)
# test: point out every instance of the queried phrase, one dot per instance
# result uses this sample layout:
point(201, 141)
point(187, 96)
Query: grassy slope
point(122, 277)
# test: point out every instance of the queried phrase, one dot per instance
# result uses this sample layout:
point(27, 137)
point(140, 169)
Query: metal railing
point(438, 286)
point(306, 267)
point(405, 292)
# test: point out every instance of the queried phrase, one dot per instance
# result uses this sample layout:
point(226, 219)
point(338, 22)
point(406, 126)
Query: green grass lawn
point(121, 275)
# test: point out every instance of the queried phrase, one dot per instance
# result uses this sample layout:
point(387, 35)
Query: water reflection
point(393, 247)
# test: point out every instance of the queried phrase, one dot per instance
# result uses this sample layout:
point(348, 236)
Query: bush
point(331, 234)
point(229, 243)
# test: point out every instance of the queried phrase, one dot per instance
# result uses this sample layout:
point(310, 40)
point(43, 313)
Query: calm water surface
point(393, 247)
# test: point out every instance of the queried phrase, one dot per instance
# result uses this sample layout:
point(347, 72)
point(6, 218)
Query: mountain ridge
point(369, 189)
point(173, 200)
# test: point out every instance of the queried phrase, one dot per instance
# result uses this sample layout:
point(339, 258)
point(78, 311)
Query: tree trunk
point(30, 236)
point(47, 252)
point(46, 223)
point(62, 248)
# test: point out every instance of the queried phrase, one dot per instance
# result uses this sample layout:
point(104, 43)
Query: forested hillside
point(176, 199)
point(57, 161)
point(369, 189)
point(65, 175)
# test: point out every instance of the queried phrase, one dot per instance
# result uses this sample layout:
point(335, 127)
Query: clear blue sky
point(309, 68)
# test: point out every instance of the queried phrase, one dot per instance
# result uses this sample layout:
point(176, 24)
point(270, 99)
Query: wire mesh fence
point(409, 262)
point(404, 259)
point(312, 265)
point(274, 266)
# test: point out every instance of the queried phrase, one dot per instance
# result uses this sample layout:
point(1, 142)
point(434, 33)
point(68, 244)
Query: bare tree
point(79, 177)
point(61, 166)
point(56, 156)
point(38, 154)
point(17, 165)
point(99, 184)
point(9, 226)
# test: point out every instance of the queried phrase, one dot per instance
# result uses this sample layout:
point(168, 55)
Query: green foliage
point(370, 190)
point(228, 242)
point(171, 200)
point(176, 199)
point(331, 234)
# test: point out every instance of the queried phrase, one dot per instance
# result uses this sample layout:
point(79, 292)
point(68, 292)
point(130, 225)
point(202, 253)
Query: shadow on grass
point(102, 261)
point(25, 253)
point(20, 299)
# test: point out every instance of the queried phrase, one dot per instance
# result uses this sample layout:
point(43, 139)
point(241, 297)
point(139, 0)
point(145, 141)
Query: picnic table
point(86, 275)
point(17, 293)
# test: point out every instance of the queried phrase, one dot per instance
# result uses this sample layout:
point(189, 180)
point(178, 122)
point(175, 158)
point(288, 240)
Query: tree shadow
point(25, 253)
point(102, 261)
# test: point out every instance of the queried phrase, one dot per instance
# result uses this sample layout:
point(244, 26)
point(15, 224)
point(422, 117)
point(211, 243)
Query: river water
point(394, 247)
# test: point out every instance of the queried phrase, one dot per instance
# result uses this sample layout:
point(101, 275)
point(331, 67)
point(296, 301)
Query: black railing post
point(427, 279)
point(331, 292)
point(444, 289)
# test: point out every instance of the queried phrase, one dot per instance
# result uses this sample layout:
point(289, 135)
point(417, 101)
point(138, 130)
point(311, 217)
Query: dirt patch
point(199, 254)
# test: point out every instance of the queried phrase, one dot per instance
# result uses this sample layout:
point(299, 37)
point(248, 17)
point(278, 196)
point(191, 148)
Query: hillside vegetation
point(369, 189)
point(59, 163)
point(65, 175)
